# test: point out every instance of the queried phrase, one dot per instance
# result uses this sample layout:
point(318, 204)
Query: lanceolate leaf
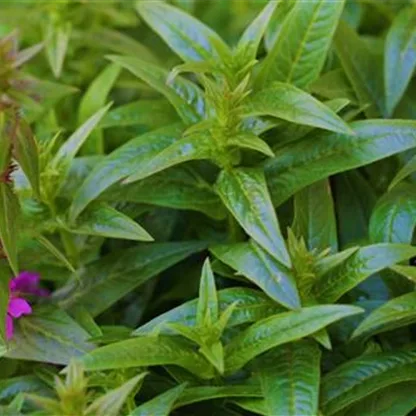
point(115, 41)
point(112, 402)
point(207, 310)
point(108, 279)
point(397, 399)
point(25, 151)
point(292, 104)
point(300, 50)
point(363, 69)
point(147, 113)
point(405, 171)
point(289, 378)
point(198, 394)
point(67, 152)
point(250, 260)
point(400, 56)
point(407, 271)
point(252, 305)
point(161, 405)
point(122, 163)
point(57, 39)
point(178, 188)
point(184, 95)
point(245, 194)
point(302, 163)
point(357, 267)
point(281, 329)
point(315, 217)
point(394, 217)
point(192, 147)
point(105, 221)
point(185, 35)
point(251, 38)
point(252, 142)
point(9, 213)
point(93, 100)
point(56, 252)
point(362, 376)
point(393, 314)
point(148, 351)
point(334, 84)
point(50, 336)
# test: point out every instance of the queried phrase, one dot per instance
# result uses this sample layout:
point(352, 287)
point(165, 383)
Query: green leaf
point(250, 260)
point(115, 41)
point(407, 271)
point(314, 217)
point(162, 404)
point(9, 212)
point(148, 351)
point(111, 403)
point(94, 99)
point(48, 93)
point(4, 301)
point(257, 406)
point(105, 281)
point(190, 39)
point(252, 305)
point(150, 114)
point(363, 69)
point(276, 23)
point(245, 194)
point(11, 387)
point(281, 329)
point(184, 95)
point(179, 188)
point(292, 104)
point(194, 147)
point(298, 55)
point(334, 84)
point(48, 335)
point(250, 40)
point(207, 311)
point(405, 171)
point(198, 394)
point(26, 153)
point(252, 142)
point(397, 400)
point(301, 163)
point(327, 263)
point(57, 39)
point(289, 377)
point(67, 152)
point(364, 375)
point(395, 313)
point(399, 56)
point(105, 221)
point(122, 163)
point(56, 252)
point(394, 217)
point(290, 132)
point(357, 267)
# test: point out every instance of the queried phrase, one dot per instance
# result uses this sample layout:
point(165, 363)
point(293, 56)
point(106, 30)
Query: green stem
point(70, 247)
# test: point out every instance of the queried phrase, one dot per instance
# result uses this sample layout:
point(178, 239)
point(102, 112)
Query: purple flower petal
point(18, 307)
point(9, 327)
point(26, 282)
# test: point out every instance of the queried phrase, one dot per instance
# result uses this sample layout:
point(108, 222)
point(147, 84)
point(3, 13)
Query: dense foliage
point(207, 207)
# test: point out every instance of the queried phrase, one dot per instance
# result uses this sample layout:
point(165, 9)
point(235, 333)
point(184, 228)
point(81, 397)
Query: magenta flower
point(25, 284)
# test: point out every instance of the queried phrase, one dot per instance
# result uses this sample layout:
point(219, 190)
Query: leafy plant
point(207, 207)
